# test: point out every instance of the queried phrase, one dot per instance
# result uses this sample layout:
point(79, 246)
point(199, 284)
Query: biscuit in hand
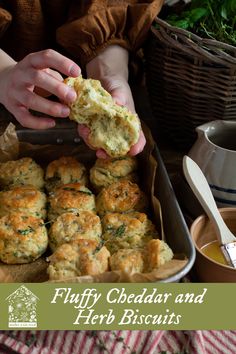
point(113, 128)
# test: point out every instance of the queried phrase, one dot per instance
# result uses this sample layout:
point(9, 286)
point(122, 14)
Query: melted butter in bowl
point(213, 251)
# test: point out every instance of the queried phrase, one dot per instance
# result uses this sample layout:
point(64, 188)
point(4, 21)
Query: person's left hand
point(122, 95)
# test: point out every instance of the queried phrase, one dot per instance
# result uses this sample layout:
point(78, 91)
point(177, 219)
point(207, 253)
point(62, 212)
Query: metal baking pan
point(175, 228)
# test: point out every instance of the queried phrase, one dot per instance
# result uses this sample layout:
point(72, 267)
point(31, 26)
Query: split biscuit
point(113, 128)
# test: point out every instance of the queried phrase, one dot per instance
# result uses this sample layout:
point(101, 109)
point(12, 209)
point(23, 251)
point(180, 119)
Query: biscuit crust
point(81, 257)
point(72, 197)
point(21, 172)
point(63, 171)
point(24, 199)
point(70, 227)
point(23, 238)
point(107, 171)
point(121, 197)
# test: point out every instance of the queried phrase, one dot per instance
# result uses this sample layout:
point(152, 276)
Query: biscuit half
point(113, 128)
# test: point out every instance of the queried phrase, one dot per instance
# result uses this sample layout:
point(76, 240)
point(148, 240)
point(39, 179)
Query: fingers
point(47, 82)
point(29, 121)
point(139, 146)
point(51, 59)
point(30, 100)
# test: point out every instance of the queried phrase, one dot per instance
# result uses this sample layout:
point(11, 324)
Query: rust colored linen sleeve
point(93, 25)
point(5, 20)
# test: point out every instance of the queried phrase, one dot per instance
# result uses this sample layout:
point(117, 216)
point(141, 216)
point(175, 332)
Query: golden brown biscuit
point(127, 260)
point(121, 197)
point(63, 171)
point(27, 200)
point(81, 257)
point(23, 238)
point(131, 230)
point(21, 172)
point(70, 227)
point(113, 128)
point(157, 253)
point(108, 171)
point(72, 197)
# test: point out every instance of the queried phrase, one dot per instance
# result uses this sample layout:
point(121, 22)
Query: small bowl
point(202, 232)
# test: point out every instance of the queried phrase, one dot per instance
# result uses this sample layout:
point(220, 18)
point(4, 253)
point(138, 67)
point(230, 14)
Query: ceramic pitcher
point(215, 153)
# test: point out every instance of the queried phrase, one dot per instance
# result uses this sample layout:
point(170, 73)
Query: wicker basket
point(190, 80)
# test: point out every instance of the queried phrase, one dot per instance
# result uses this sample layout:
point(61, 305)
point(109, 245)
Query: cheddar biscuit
point(121, 197)
point(24, 199)
point(81, 257)
point(113, 128)
point(63, 171)
point(72, 197)
point(23, 238)
point(107, 171)
point(70, 227)
point(127, 260)
point(21, 172)
point(157, 253)
point(131, 230)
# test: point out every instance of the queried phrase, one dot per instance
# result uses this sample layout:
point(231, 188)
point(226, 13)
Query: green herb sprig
point(215, 19)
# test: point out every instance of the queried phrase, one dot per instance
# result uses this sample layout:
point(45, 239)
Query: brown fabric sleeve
point(5, 20)
point(100, 23)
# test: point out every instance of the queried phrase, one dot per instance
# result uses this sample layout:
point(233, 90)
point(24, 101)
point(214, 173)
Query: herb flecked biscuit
point(27, 200)
point(157, 253)
point(131, 230)
point(70, 227)
point(107, 171)
point(63, 171)
point(121, 197)
point(112, 127)
point(21, 172)
point(81, 257)
point(72, 197)
point(23, 238)
point(127, 260)
point(152, 256)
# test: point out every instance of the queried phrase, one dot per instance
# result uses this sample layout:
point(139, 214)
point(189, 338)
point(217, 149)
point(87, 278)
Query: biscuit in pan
point(107, 171)
point(127, 260)
point(78, 258)
point(27, 200)
point(23, 238)
point(70, 227)
point(121, 197)
point(72, 197)
point(63, 171)
point(113, 128)
point(130, 230)
point(21, 172)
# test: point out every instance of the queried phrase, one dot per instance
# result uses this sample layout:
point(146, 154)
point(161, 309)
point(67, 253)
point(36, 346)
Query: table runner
point(118, 342)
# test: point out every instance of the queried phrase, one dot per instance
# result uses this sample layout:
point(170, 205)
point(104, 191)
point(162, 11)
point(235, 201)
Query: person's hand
point(22, 83)
point(111, 68)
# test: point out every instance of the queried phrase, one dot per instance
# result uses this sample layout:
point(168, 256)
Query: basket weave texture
point(190, 81)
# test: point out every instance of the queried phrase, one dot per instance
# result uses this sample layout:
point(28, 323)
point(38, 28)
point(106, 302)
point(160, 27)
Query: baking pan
point(175, 228)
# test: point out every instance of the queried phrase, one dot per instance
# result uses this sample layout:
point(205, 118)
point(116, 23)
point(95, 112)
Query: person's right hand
point(19, 81)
